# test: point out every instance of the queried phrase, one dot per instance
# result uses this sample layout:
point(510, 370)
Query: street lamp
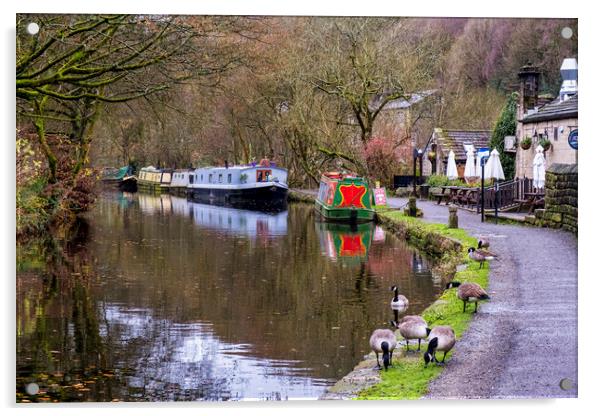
point(483, 162)
point(417, 154)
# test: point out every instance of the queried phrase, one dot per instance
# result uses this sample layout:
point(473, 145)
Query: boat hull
point(125, 184)
point(152, 187)
point(128, 184)
point(346, 215)
point(266, 197)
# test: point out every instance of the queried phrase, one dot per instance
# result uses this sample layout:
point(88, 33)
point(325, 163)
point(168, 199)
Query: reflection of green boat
point(340, 241)
point(344, 198)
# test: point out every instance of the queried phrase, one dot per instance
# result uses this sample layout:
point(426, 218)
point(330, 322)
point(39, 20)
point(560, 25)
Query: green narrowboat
point(345, 198)
point(121, 178)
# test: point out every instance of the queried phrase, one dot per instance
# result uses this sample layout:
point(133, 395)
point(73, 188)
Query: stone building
point(444, 140)
point(553, 121)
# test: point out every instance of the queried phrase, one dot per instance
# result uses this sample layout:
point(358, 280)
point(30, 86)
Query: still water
point(163, 299)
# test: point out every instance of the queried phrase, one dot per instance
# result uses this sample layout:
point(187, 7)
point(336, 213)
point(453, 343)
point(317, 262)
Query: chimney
point(568, 70)
point(529, 89)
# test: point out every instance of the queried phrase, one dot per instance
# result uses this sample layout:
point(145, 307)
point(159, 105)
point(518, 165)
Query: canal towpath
point(523, 342)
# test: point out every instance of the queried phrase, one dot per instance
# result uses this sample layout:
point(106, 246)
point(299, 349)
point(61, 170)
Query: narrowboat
point(344, 197)
point(121, 178)
point(151, 179)
point(180, 179)
point(255, 186)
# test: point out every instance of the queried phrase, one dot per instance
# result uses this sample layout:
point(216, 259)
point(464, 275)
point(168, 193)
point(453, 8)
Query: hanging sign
point(573, 139)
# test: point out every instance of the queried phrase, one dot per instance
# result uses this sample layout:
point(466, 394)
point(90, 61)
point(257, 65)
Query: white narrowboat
point(180, 179)
point(260, 185)
point(151, 179)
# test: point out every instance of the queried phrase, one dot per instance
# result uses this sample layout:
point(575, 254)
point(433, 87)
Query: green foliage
point(545, 143)
point(505, 126)
point(526, 142)
point(408, 378)
point(437, 180)
point(442, 180)
point(31, 207)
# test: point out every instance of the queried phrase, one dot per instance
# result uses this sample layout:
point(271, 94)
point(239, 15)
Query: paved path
point(524, 341)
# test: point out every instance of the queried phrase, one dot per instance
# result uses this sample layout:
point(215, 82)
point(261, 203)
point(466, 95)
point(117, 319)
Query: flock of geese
point(413, 327)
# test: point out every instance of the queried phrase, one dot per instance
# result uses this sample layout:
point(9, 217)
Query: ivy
point(505, 126)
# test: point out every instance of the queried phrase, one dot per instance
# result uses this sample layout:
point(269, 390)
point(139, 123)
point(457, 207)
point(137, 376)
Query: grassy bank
point(408, 379)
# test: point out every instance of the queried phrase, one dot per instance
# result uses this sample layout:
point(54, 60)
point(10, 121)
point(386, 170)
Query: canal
point(161, 299)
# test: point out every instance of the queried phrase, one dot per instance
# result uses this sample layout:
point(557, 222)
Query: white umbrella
point(452, 170)
point(493, 167)
point(539, 169)
point(470, 171)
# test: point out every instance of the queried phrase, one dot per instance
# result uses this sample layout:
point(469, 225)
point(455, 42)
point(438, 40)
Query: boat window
point(190, 178)
point(201, 178)
point(220, 178)
point(229, 178)
point(263, 175)
point(210, 177)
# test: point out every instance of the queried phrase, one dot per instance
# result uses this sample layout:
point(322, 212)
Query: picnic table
point(458, 195)
point(532, 200)
point(443, 195)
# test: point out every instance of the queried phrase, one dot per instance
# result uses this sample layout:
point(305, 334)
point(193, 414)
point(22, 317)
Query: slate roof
point(455, 140)
point(556, 110)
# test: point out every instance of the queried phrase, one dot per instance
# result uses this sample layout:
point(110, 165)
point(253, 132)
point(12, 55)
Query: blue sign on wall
point(573, 139)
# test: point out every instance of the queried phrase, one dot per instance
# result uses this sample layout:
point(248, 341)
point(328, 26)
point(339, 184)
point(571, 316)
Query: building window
point(220, 178)
point(555, 134)
point(229, 178)
point(210, 177)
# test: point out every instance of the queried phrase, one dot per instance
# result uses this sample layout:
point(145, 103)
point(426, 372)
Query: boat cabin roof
point(339, 176)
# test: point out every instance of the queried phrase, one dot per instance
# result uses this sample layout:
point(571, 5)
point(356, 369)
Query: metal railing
point(509, 192)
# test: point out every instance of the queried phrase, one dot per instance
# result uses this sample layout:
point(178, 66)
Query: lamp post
point(483, 161)
point(417, 155)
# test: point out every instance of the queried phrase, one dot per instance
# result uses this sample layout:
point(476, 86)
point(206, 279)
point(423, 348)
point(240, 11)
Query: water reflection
point(344, 241)
point(173, 300)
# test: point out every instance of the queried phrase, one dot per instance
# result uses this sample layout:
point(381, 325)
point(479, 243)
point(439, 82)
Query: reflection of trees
point(58, 331)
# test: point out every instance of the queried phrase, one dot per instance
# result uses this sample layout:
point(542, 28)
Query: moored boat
point(151, 179)
point(180, 179)
point(121, 178)
point(262, 186)
point(344, 197)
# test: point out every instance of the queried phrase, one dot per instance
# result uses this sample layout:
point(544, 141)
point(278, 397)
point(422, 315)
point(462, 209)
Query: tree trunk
point(41, 131)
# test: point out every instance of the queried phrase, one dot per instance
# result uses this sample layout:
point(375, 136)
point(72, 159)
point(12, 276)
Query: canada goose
point(413, 327)
point(399, 302)
point(384, 341)
point(469, 292)
point(483, 243)
point(441, 338)
point(480, 255)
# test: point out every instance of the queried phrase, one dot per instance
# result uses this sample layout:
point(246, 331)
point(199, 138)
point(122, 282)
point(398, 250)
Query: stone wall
point(560, 200)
